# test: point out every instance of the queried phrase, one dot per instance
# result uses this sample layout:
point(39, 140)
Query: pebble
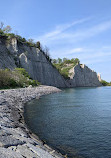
point(16, 141)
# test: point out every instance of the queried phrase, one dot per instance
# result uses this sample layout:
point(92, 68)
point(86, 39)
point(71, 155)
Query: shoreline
point(16, 139)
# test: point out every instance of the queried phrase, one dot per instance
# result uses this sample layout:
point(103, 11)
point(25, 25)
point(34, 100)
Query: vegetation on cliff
point(16, 78)
point(105, 83)
point(6, 32)
point(64, 65)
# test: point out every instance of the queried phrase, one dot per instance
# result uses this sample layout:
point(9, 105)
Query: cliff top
point(64, 65)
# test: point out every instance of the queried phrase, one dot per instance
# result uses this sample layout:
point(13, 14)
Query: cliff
point(17, 54)
point(82, 76)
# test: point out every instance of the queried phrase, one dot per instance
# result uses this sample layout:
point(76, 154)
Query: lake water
point(76, 121)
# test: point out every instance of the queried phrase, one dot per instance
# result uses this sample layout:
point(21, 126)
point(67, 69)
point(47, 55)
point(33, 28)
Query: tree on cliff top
point(7, 29)
point(38, 44)
point(30, 40)
point(1, 25)
point(64, 65)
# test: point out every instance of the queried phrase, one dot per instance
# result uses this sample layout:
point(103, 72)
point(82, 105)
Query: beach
point(16, 140)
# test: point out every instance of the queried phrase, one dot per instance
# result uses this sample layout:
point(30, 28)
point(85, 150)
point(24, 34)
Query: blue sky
point(70, 28)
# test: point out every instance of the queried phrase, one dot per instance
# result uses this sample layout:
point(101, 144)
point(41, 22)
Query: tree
point(23, 40)
point(72, 60)
point(104, 83)
point(54, 61)
point(77, 61)
point(7, 29)
point(38, 45)
point(46, 51)
point(30, 40)
point(64, 59)
point(59, 60)
point(1, 25)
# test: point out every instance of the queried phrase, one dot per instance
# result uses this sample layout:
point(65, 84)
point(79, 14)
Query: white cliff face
point(12, 46)
point(15, 54)
point(7, 57)
point(83, 76)
point(34, 61)
point(99, 76)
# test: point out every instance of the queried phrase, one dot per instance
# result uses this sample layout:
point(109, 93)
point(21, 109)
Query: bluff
point(82, 76)
point(14, 53)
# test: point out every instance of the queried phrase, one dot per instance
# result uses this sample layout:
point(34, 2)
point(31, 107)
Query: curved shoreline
point(16, 140)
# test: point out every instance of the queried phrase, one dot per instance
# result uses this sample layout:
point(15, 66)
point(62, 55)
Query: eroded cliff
point(17, 54)
point(82, 76)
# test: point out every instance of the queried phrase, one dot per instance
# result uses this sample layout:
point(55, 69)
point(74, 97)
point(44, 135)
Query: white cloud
point(86, 55)
point(63, 38)
point(76, 50)
point(58, 32)
point(61, 33)
point(60, 28)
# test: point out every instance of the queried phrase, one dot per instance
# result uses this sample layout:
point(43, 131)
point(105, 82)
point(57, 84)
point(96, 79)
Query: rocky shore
point(16, 141)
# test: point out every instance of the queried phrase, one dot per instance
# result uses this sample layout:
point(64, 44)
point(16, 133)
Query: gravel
point(16, 140)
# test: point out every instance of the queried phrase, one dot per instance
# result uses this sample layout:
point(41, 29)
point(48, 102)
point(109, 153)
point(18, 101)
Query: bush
point(1, 32)
point(6, 79)
point(64, 65)
point(65, 73)
point(11, 35)
point(38, 45)
point(22, 71)
point(17, 78)
point(13, 83)
point(104, 83)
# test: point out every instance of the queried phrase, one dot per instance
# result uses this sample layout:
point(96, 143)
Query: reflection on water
point(76, 121)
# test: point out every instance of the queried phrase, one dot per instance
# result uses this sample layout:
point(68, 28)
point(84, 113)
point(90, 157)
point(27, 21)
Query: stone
point(9, 153)
point(16, 141)
point(7, 141)
point(30, 86)
point(41, 153)
point(26, 152)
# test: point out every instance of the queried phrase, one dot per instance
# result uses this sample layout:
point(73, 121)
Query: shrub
point(1, 32)
point(104, 83)
point(38, 45)
point(11, 35)
point(64, 65)
point(17, 78)
point(22, 71)
point(6, 79)
point(13, 83)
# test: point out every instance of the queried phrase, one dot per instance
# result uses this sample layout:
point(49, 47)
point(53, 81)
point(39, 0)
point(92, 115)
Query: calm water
point(76, 121)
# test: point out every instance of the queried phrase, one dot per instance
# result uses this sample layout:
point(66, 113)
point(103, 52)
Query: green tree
point(7, 29)
point(76, 61)
point(72, 60)
point(38, 44)
point(54, 61)
point(30, 40)
point(1, 25)
point(104, 83)
point(59, 60)
point(46, 52)
point(64, 59)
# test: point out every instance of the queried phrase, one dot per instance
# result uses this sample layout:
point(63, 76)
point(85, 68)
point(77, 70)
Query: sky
point(69, 28)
